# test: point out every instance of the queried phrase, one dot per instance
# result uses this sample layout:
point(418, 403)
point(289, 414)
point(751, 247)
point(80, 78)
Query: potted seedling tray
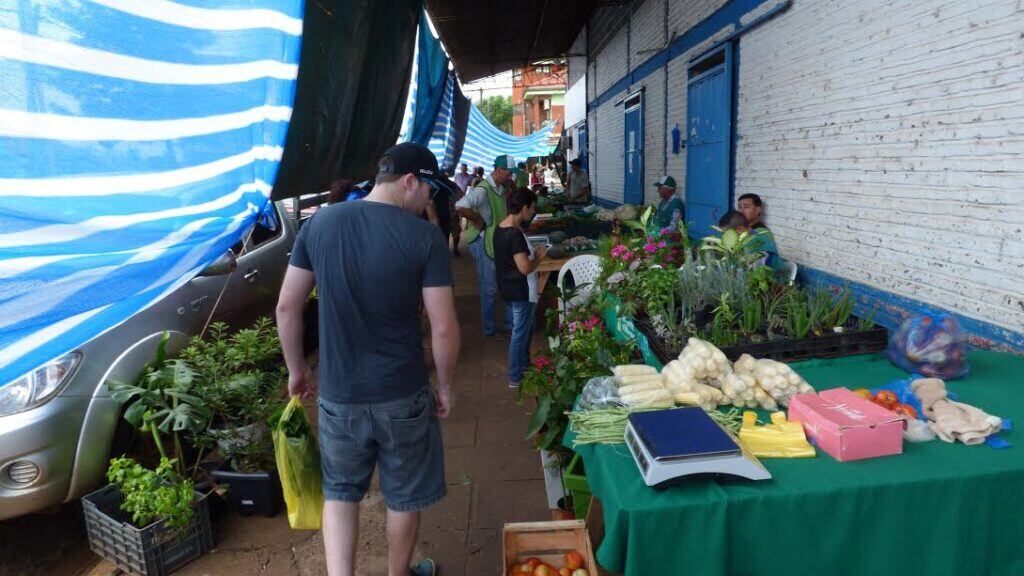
point(832, 345)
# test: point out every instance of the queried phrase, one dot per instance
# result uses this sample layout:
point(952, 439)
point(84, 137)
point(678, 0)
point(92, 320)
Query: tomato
point(533, 562)
point(564, 572)
point(524, 569)
point(543, 570)
point(573, 560)
point(886, 398)
point(904, 410)
point(863, 393)
point(580, 572)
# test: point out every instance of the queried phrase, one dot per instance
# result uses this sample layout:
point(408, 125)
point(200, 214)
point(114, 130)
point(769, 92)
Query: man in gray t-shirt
point(376, 265)
point(577, 183)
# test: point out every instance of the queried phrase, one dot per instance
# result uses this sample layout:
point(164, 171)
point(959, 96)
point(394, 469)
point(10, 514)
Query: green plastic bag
point(298, 463)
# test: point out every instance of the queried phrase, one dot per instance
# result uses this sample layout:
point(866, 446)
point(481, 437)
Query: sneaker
point(513, 385)
point(425, 567)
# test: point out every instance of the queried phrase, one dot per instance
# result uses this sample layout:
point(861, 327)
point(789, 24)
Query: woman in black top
point(515, 263)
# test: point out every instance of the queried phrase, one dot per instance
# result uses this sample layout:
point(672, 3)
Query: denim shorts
point(402, 436)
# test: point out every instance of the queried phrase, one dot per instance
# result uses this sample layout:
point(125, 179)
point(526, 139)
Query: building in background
point(538, 97)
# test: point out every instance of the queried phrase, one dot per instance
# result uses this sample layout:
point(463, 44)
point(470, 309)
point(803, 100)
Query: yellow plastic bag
point(298, 463)
point(780, 439)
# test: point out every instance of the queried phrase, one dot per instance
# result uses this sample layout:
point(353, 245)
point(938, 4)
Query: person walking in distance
point(376, 266)
point(484, 207)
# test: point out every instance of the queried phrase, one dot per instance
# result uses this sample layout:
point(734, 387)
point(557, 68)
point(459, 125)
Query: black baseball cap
point(409, 158)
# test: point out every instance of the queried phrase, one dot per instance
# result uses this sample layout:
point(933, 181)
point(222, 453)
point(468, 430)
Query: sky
point(499, 84)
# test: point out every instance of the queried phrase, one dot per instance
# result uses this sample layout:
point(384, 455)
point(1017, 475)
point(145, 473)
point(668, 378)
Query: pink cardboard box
point(847, 426)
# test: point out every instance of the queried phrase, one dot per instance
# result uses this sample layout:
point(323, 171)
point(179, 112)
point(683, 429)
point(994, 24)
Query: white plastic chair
point(786, 273)
point(585, 269)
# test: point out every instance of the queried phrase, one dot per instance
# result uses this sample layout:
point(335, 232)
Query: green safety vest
point(498, 213)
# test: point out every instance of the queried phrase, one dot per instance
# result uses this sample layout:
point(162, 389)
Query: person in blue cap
point(670, 209)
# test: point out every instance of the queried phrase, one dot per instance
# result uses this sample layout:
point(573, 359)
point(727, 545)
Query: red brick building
point(538, 97)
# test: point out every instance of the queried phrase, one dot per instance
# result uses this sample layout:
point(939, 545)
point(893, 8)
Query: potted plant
point(148, 522)
point(241, 377)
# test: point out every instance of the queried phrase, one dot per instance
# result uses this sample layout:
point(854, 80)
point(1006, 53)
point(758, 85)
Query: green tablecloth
point(936, 509)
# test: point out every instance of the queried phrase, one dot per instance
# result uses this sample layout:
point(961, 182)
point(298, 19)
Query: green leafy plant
point(798, 318)
point(722, 329)
point(730, 245)
point(151, 495)
point(842, 308)
point(241, 377)
point(865, 323)
point(751, 314)
point(583, 350)
point(162, 403)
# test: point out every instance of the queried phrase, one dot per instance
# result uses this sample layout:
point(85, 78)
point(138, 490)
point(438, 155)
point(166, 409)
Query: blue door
point(633, 153)
point(708, 143)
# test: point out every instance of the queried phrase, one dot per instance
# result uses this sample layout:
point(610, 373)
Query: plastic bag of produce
point(780, 439)
point(599, 393)
point(704, 362)
point(779, 380)
point(743, 391)
point(930, 345)
point(298, 463)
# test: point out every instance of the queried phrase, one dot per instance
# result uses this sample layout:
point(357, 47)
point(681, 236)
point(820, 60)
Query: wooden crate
point(548, 541)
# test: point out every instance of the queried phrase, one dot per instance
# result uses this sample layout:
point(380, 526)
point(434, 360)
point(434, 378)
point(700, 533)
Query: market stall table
point(936, 509)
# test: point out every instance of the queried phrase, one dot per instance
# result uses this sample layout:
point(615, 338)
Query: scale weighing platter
point(669, 445)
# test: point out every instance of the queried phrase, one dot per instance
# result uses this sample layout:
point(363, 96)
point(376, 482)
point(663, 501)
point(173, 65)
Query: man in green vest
point(484, 207)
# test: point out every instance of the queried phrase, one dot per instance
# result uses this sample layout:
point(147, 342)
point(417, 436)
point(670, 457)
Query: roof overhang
point(486, 37)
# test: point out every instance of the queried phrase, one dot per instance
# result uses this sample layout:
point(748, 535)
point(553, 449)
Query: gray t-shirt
point(578, 183)
point(371, 262)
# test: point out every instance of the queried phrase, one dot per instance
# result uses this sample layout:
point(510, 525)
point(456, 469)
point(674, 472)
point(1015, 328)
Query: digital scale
point(671, 445)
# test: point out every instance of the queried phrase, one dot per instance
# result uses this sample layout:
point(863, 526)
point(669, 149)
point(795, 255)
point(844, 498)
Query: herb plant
point(152, 495)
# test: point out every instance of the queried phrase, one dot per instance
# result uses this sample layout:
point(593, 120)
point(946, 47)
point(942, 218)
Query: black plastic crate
point(787, 350)
point(155, 550)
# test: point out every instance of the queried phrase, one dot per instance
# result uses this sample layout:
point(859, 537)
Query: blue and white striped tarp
point(484, 142)
point(139, 139)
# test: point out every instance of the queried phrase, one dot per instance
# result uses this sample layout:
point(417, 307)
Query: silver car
point(58, 422)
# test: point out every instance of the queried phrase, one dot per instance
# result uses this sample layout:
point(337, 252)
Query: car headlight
point(38, 386)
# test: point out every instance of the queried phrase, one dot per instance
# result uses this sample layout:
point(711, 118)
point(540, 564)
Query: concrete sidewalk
point(494, 476)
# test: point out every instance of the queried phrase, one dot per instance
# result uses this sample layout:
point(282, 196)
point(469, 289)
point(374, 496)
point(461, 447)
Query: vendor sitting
point(670, 209)
point(752, 207)
point(763, 240)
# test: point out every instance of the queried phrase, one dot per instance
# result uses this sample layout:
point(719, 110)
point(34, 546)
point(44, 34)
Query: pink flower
point(627, 256)
point(651, 248)
point(595, 319)
point(541, 361)
point(662, 244)
point(573, 326)
point(664, 232)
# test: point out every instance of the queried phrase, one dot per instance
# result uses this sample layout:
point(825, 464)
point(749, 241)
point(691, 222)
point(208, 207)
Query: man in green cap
point(484, 207)
point(670, 209)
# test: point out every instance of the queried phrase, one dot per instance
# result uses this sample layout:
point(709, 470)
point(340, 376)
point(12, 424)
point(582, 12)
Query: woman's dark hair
point(519, 198)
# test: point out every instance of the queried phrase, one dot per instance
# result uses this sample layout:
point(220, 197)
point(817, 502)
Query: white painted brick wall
point(887, 139)
point(648, 31)
point(577, 64)
point(611, 62)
